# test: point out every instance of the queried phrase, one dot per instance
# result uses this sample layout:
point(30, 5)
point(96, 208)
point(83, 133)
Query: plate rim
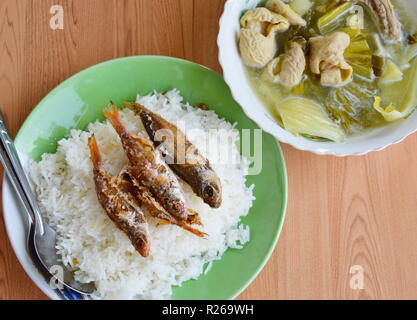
point(8, 193)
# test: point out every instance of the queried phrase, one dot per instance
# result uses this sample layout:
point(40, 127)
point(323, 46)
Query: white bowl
point(234, 74)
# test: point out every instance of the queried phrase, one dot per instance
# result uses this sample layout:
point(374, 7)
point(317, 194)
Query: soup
point(327, 69)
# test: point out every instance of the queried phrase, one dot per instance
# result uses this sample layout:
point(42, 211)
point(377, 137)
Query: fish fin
point(152, 206)
point(193, 217)
point(144, 141)
point(185, 226)
point(124, 173)
point(163, 222)
point(95, 155)
point(189, 165)
point(194, 231)
point(113, 116)
point(124, 182)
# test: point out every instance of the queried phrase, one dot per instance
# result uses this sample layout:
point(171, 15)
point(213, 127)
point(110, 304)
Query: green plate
point(79, 101)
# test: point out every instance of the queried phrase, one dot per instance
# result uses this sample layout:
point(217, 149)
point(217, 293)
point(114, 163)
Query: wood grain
point(342, 212)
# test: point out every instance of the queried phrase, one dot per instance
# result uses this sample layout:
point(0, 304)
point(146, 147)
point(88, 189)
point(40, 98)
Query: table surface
point(354, 211)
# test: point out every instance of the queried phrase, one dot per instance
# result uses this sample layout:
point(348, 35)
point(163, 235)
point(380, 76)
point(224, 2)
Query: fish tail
point(196, 232)
point(113, 116)
point(183, 225)
point(94, 151)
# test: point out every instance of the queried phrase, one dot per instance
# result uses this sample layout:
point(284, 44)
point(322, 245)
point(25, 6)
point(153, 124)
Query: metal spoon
point(41, 238)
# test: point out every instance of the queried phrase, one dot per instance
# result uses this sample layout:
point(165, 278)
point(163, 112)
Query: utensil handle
point(14, 170)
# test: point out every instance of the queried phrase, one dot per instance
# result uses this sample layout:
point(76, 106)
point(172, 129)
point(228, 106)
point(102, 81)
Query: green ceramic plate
point(79, 101)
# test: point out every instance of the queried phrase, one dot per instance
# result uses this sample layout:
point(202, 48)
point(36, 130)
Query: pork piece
point(257, 43)
point(286, 11)
point(327, 60)
point(289, 67)
point(264, 21)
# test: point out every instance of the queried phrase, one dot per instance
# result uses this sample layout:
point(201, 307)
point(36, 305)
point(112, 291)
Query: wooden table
point(356, 211)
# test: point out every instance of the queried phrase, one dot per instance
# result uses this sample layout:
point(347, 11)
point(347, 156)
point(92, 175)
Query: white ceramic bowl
point(235, 77)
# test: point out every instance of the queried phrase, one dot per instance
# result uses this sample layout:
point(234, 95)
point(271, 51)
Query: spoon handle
point(9, 158)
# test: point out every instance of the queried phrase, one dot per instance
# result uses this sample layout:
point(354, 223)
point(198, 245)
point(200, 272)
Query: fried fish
point(147, 168)
point(183, 157)
point(121, 207)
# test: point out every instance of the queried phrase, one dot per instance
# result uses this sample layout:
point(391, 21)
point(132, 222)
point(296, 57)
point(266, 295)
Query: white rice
point(92, 245)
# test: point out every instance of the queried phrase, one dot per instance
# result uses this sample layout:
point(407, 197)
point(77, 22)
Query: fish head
point(212, 193)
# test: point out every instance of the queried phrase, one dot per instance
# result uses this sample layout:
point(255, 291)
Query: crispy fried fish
point(152, 207)
point(147, 168)
point(184, 158)
point(121, 207)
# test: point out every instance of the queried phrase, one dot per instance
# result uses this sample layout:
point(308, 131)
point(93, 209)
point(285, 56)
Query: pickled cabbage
point(391, 73)
point(359, 54)
point(301, 6)
point(401, 96)
point(302, 116)
point(332, 20)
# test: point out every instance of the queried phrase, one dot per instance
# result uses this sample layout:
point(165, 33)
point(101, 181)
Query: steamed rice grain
point(91, 244)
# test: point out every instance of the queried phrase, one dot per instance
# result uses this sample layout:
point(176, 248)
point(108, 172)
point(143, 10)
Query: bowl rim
point(277, 131)
point(8, 193)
